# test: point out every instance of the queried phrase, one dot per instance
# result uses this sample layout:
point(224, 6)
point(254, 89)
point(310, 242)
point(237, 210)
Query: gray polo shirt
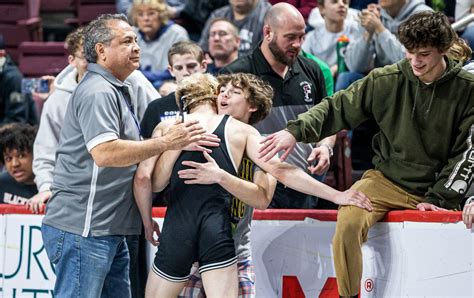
point(89, 200)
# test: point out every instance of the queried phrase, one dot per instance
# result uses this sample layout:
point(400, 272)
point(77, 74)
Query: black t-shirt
point(158, 110)
point(12, 192)
point(302, 87)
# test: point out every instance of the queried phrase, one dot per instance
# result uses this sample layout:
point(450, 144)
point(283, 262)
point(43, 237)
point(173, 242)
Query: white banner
point(401, 259)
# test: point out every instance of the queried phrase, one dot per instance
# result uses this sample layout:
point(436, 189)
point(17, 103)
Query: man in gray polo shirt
point(91, 208)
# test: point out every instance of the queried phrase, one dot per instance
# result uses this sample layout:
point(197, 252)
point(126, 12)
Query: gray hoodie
point(384, 48)
point(52, 116)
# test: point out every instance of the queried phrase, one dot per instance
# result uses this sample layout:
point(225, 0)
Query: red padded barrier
point(301, 214)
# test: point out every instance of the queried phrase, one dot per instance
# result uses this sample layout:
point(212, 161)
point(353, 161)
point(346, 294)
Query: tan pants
point(353, 224)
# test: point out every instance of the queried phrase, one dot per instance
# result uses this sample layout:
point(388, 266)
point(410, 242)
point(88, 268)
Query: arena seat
point(87, 10)
point(339, 175)
point(19, 22)
point(42, 58)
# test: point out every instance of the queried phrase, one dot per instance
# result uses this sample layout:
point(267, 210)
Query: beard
point(279, 54)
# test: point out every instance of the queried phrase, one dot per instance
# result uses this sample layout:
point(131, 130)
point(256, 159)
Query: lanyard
point(130, 108)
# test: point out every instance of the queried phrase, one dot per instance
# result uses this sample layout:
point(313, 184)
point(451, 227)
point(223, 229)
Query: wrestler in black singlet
point(197, 224)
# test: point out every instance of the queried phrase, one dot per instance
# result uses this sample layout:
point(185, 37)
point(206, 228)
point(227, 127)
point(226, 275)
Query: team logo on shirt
point(306, 90)
point(463, 169)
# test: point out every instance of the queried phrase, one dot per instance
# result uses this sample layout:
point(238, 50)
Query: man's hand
point(353, 197)
point(468, 215)
point(370, 19)
point(37, 203)
point(201, 173)
point(207, 140)
point(182, 134)
point(429, 207)
point(150, 229)
point(323, 157)
point(276, 142)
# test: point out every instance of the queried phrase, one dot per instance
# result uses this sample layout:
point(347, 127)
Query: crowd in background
point(342, 42)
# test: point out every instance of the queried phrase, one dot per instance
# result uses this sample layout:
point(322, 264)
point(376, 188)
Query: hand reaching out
point(276, 142)
point(353, 197)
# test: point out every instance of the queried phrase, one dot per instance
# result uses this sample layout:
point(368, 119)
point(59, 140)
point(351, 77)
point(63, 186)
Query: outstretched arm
point(295, 178)
point(257, 194)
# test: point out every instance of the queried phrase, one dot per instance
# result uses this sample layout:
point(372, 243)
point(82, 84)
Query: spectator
point(464, 8)
point(247, 16)
point(47, 141)
point(224, 42)
point(321, 42)
point(304, 6)
point(156, 34)
point(14, 105)
point(16, 146)
point(316, 19)
point(379, 45)
point(297, 83)
point(96, 160)
point(185, 58)
point(422, 99)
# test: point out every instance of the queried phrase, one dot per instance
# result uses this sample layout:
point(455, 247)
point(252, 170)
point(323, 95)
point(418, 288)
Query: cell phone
point(38, 85)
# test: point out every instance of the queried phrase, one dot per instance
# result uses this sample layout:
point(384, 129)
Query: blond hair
point(158, 5)
point(460, 51)
point(197, 89)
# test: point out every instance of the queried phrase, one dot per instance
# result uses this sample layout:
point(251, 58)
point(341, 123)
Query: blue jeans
point(87, 266)
point(345, 79)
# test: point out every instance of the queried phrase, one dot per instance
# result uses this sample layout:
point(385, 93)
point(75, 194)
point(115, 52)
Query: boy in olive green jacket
point(424, 107)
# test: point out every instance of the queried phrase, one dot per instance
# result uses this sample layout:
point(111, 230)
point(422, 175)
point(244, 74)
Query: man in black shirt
point(298, 84)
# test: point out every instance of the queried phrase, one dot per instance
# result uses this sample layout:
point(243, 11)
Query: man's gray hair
point(98, 31)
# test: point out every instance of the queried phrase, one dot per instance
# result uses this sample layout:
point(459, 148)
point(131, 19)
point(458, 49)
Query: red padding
point(301, 214)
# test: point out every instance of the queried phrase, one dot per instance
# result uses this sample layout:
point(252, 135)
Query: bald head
point(283, 13)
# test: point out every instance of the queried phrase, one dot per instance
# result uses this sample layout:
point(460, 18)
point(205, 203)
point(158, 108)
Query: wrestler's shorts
point(188, 236)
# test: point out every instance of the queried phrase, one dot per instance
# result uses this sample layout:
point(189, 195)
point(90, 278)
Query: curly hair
point(75, 41)
point(17, 136)
point(157, 5)
point(260, 94)
point(197, 89)
point(427, 29)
